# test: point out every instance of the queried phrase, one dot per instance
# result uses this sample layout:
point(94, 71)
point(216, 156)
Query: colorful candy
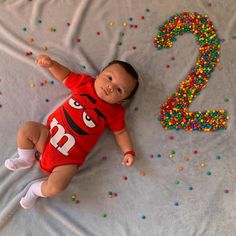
point(174, 113)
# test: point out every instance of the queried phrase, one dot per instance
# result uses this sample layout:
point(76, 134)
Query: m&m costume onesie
point(76, 125)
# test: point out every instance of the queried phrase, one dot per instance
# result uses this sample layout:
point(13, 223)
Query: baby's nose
point(110, 88)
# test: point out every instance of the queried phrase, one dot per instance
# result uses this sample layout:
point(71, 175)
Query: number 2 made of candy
point(174, 113)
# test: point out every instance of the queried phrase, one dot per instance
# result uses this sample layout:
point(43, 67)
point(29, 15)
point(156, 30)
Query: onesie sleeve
point(117, 121)
point(75, 80)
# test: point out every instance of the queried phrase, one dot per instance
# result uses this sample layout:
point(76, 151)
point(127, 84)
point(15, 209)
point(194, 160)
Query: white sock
point(25, 160)
point(32, 194)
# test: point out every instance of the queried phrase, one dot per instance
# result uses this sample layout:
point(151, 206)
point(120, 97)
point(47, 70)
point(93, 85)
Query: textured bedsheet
point(182, 182)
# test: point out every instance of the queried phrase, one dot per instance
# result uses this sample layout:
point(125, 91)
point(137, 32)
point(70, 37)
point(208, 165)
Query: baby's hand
point(44, 61)
point(128, 160)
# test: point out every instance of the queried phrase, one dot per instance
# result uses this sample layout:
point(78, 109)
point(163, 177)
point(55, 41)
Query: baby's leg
point(31, 136)
point(57, 181)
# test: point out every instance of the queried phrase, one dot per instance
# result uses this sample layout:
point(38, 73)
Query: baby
point(73, 128)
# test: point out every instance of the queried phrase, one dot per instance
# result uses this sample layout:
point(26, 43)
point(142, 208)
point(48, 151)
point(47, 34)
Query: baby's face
point(114, 84)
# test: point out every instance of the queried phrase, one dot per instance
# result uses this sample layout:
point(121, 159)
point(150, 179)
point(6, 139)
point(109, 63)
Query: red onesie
point(77, 124)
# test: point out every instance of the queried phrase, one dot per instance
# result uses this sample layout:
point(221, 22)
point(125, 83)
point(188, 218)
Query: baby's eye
point(110, 78)
point(119, 90)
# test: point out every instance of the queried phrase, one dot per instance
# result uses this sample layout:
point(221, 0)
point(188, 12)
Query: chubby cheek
point(97, 86)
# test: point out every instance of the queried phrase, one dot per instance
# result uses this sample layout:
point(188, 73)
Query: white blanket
point(182, 182)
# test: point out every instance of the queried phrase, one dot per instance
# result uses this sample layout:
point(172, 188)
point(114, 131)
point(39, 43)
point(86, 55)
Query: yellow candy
point(202, 164)
point(111, 23)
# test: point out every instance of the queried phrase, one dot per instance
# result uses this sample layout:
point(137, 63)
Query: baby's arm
point(59, 71)
point(124, 141)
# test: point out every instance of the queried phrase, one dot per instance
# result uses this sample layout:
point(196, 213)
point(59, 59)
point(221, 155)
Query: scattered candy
point(83, 66)
point(176, 204)
point(142, 173)
point(220, 67)
point(28, 54)
point(172, 154)
point(159, 155)
point(143, 217)
point(125, 24)
point(177, 182)
point(111, 194)
point(45, 48)
point(226, 191)
point(209, 173)
point(104, 215)
point(218, 157)
point(31, 40)
point(181, 168)
point(203, 164)
point(174, 113)
point(125, 177)
point(190, 188)
point(122, 34)
point(111, 23)
point(226, 99)
point(186, 158)
point(73, 197)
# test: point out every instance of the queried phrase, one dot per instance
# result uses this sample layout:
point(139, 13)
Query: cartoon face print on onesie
point(76, 125)
point(81, 116)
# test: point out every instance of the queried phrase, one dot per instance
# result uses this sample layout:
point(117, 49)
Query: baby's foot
point(18, 164)
point(28, 200)
point(32, 194)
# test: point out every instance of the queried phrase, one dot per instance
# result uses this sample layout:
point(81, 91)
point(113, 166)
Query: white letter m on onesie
point(57, 137)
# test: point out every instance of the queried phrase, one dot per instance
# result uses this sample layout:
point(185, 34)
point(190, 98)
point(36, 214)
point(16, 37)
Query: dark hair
point(130, 70)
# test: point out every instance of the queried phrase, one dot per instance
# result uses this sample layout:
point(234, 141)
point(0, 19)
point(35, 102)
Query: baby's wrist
point(52, 63)
point(130, 152)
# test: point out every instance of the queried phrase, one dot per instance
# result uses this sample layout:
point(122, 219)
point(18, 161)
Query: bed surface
point(182, 182)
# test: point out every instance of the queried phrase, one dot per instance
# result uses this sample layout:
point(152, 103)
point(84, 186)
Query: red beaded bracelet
point(130, 152)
